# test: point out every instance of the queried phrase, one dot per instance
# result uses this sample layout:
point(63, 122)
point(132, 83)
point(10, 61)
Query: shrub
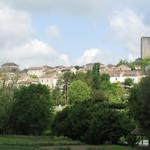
point(92, 123)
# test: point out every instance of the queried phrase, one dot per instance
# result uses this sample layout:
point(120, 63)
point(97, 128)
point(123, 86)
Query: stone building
point(145, 47)
point(9, 67)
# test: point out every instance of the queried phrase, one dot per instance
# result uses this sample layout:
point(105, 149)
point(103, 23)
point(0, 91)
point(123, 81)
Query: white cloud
point(64, 58)
point(36, 53)
point(17, 42)
point(93, 55)
point(89, 56)
point(128, 28)
point(54, 33)
point(15, 26)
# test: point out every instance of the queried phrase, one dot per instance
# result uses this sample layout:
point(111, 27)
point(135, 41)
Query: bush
point(92, 123)
point(106, 125)
point(132, 140)
point(73, 122)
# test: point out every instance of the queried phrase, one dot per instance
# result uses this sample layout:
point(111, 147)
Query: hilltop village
point(49, 76)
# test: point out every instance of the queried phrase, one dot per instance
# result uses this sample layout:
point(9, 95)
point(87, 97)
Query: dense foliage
point(93, 123)
point(79, 91)
point(31, 110)
point(140, 103)
point(95, 111)
point(6, 101)
point(140, 63)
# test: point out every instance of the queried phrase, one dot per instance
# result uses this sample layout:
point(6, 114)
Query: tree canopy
point(31, 109)
point(79, 91)
point(140, 103)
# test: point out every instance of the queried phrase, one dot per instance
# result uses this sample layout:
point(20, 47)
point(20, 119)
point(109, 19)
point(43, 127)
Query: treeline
point(139, 62)
point(96, 111)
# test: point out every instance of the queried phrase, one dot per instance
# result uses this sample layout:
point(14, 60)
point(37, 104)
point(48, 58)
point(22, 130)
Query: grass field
point(51, 143)
point(77, 147)
point(36, 141)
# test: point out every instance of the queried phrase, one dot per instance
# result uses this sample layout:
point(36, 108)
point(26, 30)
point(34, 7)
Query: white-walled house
point(121, 76)
point(36, 71)
point(49, 81)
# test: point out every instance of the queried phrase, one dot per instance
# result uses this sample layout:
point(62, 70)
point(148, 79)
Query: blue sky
point(66, 32)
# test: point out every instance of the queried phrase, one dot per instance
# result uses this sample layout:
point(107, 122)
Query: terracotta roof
point(35, 68)
point(110, 66)
point(9, 64)
point(24, 82)
point(129, 73)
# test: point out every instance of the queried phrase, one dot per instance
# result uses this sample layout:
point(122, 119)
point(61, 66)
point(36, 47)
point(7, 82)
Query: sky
point(71, 32)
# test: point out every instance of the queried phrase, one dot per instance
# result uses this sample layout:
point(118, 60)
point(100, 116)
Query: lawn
point(77, 147)
point(8, 147)
point(51, 143)
point(88, 147)
point(36, 141)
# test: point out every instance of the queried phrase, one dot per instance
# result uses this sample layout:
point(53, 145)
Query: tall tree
point(57, 93)
point(140, 104)
point(67, 78)
point(96, 76)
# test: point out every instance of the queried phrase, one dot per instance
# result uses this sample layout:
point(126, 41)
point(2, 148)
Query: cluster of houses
point(49, 76)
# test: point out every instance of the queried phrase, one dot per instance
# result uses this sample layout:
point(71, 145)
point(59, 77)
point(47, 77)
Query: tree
point(99, 95)
point(77, 67)
point(105, 77)
point(7, 87)
point(123, 62)
point(92, 123)
point(114, 92)
point(107, 125)
point(56, 93)
point(31, 110)
point(6, 101)
point(96, 76)
point(67, 78)
point(72, 122)
point(128, 82)
point(140, 103)
point(79, 91)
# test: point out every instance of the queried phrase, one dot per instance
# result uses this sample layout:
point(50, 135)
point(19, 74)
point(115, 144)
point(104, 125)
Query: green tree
point(81, 76)
point(6, 101)
point(56, 93)
point(96, 76)
point(79, 91)
point(67, 78)
point(93, 123)
point(73, 121)
point(31, 111)
point(140, 103)
point(77, 67)
point(123, 62)
point(7, 87)
point(107, 125)
point(128, 82)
